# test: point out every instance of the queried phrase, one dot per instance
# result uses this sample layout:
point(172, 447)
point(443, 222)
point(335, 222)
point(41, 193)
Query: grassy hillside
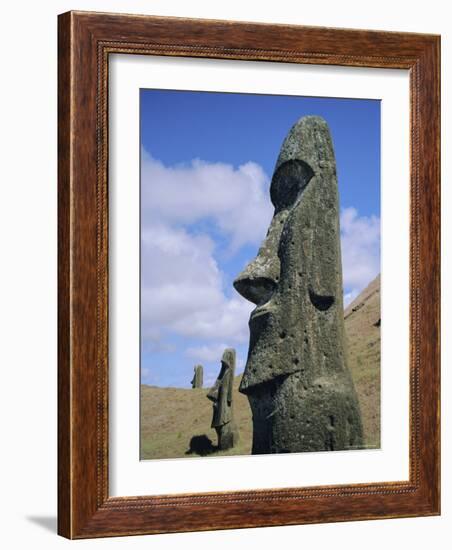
point(362, 325)
point(175, 422)
point(171, 417)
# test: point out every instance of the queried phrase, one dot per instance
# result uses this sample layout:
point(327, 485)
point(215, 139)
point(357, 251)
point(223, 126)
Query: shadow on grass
point(201, 445)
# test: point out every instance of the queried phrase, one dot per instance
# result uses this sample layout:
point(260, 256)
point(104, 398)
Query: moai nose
point(259, 279)
point(255, 289)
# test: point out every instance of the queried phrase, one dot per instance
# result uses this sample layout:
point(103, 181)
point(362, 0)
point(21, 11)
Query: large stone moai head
point(197, 380)
point(296, 377)
point(221, 395)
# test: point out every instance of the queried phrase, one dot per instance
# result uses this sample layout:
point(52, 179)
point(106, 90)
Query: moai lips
point(296, 377)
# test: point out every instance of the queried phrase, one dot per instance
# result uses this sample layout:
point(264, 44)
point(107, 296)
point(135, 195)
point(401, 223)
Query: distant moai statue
point(221, 394)
point(197, 380)
point(296, 377)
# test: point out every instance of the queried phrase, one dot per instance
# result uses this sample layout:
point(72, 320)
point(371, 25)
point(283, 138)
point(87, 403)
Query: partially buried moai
point(221, 395)
point(296, 377)
point(197, 379)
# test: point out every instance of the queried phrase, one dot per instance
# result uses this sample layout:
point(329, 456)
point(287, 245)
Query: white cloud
point(360, 243)
point(208, 353)
point(236, 200)
point(182, 285)
point(182, 288)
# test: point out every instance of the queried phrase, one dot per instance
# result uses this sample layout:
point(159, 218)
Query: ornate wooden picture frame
point(86, 41)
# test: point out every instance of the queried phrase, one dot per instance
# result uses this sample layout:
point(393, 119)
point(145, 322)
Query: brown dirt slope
point(362, 325)
point(175, 422)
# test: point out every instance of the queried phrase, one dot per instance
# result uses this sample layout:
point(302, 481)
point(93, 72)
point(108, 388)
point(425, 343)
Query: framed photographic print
point(248, 275)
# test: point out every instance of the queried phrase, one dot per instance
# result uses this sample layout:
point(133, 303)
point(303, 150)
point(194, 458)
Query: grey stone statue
point(222, 396)
point(197, 380)
point(296, 377)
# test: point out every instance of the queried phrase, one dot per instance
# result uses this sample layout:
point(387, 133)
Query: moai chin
point(221, 395)
point(296, 377)
point(197, 380)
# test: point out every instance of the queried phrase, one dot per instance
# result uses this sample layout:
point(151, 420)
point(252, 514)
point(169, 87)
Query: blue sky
point(206, 163)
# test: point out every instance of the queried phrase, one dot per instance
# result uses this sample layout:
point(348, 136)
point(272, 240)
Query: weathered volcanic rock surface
point(198, 377)
point(172, 417)
point(297, 379)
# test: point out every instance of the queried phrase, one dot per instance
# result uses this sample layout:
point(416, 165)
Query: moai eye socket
point(288, 182)
point(321, 302)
